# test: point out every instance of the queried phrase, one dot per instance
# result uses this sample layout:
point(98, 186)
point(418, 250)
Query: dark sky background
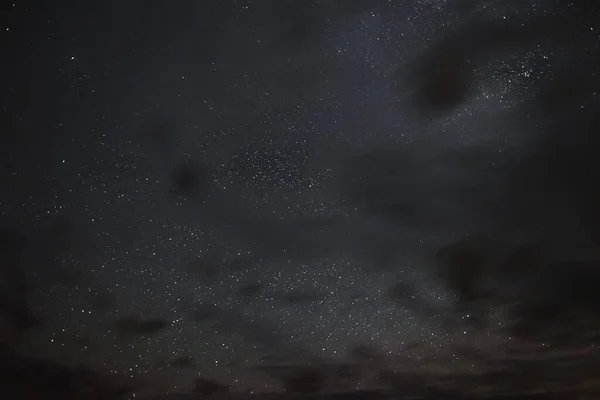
point(245, 183)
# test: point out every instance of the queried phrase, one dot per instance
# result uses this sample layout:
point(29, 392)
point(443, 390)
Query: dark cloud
point(206, 267)
point(413, 187)
point(562, 294)
point(447, 80)
point(132, 326)
point(182, 362)
point(190, 179)
point(306, 380)
point(299, 297)
point(203, 314)
point(209, 387)
point(24, 377)
point(297, 379)
point(348, 372)
point(523, 261)
point(462, 266)
point(103, 301)
point(251, 289)
point(15, 310)
point(363, 352)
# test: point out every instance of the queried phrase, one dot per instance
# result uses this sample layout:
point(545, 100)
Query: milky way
point(213, 187)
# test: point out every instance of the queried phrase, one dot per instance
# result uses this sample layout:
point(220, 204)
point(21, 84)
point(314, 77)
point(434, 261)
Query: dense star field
point(242, 193)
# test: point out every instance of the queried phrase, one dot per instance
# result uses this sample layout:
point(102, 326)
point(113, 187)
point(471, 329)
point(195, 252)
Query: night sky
point(206, 188)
